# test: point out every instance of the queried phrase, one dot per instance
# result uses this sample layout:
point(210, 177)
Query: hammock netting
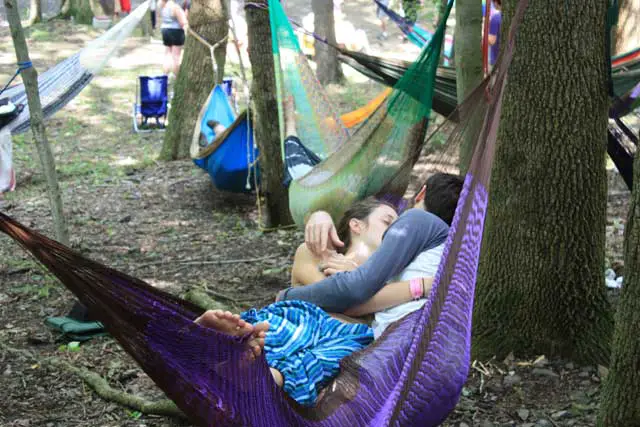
point(61, 83)
point(368, 161)
point(412, 375)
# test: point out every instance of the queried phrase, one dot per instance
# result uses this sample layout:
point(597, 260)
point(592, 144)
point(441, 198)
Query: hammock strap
point(212, 48)
point(21, 67)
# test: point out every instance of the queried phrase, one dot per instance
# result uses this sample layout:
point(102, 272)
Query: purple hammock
point(412, 375)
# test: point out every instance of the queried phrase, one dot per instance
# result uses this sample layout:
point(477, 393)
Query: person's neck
point(358, 249)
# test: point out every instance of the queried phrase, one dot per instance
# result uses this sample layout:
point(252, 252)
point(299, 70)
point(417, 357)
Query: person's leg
point(175, 55)
point(167, 63)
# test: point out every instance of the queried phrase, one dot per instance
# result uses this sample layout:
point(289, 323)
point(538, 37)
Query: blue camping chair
point(230, 157)
point(152, 102)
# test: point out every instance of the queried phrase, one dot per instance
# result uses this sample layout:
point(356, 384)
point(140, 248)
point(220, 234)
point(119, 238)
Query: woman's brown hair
point(359, 210)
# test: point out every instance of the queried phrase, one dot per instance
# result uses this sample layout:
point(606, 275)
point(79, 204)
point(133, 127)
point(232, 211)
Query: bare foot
point(256, 342)
point(226, 322)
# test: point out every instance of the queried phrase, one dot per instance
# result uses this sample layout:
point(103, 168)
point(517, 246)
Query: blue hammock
point(415, 33)
point(229, 157)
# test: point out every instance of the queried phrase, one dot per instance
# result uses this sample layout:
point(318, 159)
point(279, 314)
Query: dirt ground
point(165, 223)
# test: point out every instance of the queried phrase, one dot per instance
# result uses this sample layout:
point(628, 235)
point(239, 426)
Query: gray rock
point(560, 415)
point(569, 366)
point(464, 425)
point(523, 414)
point(511, 380)
point(543, 423)
point(543, 372)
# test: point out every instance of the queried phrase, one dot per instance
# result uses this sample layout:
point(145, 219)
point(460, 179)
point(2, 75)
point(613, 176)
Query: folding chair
point(152, 101)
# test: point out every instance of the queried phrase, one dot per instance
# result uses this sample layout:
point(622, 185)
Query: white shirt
point(424, 265)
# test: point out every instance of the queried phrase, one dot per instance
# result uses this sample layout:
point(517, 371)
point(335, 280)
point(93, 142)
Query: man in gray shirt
point(415, 231)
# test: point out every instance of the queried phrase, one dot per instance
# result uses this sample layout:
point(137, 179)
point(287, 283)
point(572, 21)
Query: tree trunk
point(30, 80)
point(626, 32)
point(468, 50)
point(80, 11)
point(540, 284)
point(326, 58)
point(194, 82)
point(35, 12)
point(620, 406)
point(266, 121)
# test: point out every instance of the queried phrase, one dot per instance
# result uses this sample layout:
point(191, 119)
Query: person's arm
point(178, 12)
point(305, 267)
point(390, 295)
point(414, 232)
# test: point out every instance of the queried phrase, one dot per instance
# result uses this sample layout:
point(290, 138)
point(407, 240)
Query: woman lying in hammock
point(304, 345)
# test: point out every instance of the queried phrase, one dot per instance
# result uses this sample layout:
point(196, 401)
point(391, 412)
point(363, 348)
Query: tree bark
point(194, 82)
point(626, 32)
point(620, 406)
point(328, 67)
point(266, 121)
point(540, 284)
point(30, 80)
point(35, 12)
point(80, 11)
point(468, 50)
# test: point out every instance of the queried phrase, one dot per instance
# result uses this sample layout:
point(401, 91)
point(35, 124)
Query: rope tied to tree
point(21, 67)
point(212, 48)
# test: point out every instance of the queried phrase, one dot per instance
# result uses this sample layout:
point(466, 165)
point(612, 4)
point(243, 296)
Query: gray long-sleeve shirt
point(414, 232)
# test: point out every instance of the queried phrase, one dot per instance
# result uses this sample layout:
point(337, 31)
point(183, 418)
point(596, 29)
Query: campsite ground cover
point(165, 223)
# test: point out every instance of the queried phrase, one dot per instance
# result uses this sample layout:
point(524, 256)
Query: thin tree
point(620, 406)
point(540, 285)
point(468, 62)
point(35, 12)
point(30, 80)
point(265, 103)
point(208, 19)
point(626, 32)
point(326, 58)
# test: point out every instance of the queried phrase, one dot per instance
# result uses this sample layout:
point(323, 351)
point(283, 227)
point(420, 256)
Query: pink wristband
point(415, 286)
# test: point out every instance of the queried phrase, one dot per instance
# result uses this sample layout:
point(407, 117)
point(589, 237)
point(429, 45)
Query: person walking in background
point(173, 24)
point(411, 8)
point(383, 20)
point(493, 38)
point(152, 13)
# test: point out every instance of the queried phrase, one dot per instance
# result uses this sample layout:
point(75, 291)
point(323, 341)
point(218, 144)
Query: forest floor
point(166, 224)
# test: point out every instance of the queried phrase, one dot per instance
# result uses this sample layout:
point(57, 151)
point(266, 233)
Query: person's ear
point(421, 194)
point(355, 225)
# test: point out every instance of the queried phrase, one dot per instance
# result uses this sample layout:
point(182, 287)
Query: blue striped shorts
point(306, 345)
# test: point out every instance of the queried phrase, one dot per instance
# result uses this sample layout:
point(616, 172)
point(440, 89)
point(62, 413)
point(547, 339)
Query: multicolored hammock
point(366, 162)
point(62, 82)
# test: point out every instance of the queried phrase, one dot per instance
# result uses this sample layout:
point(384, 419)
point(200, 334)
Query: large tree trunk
point(30, 80)
point(80, 11)
point(195, 79)
point(266, 121)
point(620, 405)
point(627, 31)
point(442, 8)
point(468, 50)
point(35, 12)
point(326, 58)
point(540, 285)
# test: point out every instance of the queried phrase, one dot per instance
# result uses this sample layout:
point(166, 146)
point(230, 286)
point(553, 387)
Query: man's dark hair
point(443, 192)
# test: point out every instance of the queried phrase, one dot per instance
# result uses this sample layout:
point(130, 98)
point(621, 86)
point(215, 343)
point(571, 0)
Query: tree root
point(162, 407)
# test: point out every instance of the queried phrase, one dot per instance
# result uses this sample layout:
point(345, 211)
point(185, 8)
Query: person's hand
point(337, 263)
point(320, 234)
